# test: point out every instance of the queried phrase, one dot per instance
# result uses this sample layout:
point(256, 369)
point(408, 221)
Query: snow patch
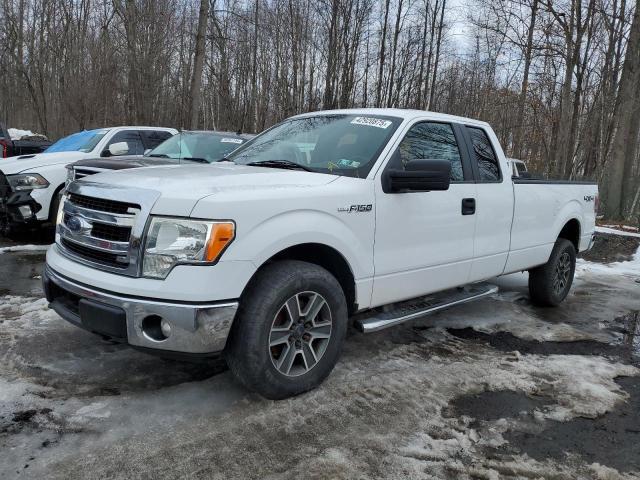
point(25, 248)
point(615, 231)
point(25, 312)
point(629, 267)
point(17, 134)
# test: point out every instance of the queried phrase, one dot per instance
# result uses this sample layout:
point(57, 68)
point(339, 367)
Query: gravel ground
point(493, 389)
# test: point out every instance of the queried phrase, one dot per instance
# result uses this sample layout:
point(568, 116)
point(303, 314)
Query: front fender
point(275, 234)
point(56, 175)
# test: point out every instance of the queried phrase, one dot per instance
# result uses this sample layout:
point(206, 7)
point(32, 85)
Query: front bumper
point(196, 328)
point(18, 211)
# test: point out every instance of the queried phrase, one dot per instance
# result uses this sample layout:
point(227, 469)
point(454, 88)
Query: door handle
point(468, 206)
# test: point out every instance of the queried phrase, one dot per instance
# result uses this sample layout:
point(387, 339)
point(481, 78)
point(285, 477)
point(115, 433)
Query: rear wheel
point(289, 330)
point(549, 284)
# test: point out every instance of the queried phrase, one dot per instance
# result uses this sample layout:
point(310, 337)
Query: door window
point(430, 141)
point(132, 137)
point(153, 138)
point(485, 155)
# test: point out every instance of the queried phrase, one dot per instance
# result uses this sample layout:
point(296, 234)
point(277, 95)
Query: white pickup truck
point(374, 215)
point(31, 185)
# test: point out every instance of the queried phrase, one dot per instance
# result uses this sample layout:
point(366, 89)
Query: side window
point(432, 141)
point(153, 138)
point(484, 154)
point(132, 137)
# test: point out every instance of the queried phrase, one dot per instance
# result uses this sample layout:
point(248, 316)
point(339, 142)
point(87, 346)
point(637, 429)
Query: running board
point(389, 316)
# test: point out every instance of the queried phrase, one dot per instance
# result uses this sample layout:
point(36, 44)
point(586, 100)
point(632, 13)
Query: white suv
point(31, 185)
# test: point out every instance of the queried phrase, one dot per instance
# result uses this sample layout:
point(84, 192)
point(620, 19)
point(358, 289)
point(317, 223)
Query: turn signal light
point(222, 234)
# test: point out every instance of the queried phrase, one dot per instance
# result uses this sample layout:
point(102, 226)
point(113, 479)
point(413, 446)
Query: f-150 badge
point(356, 208)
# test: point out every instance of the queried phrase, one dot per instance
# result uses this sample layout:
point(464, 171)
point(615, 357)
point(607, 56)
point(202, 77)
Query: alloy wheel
point(300, 333)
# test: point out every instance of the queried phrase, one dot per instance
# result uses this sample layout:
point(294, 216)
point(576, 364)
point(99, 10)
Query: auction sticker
point(371, 122)
point(231, 140)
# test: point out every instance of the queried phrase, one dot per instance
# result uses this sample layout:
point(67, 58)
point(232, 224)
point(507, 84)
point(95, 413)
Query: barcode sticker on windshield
point(231, 140)
point(371, 122)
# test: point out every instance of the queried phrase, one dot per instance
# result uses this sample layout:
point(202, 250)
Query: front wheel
point(289, 330)
point(549, 284)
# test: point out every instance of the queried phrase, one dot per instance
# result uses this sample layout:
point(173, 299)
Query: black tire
point(548, 286)
point(248, 352)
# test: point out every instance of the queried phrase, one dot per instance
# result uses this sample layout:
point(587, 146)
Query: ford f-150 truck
point(31, 185)
point(377, 216)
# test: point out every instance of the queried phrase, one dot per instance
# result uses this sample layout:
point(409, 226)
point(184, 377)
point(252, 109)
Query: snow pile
point(25, 248)
point(17, 134)
point(25, 312)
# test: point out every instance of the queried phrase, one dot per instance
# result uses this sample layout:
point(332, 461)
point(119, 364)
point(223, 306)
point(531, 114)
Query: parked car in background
point(186, 147)
point(374, 214)
point(519, 168)
point(31, 185)
point(23, 144)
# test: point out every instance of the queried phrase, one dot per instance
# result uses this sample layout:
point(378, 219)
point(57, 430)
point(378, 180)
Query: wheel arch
point(571, 231)
point(326, 257)
point(52, 215)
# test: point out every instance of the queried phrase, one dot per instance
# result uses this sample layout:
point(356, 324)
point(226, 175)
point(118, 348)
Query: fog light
point(25, 211)
point(165, 328)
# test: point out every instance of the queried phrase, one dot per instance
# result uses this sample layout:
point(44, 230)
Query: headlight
point(70, 175)
point(173, 241)
point(27, 181)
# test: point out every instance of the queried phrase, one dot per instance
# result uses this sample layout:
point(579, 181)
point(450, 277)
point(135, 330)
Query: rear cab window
point(153, 138)
point(484, 156)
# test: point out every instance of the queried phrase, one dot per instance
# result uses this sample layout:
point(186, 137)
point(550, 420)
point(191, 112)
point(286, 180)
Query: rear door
point(424, 240)
point(494, 203)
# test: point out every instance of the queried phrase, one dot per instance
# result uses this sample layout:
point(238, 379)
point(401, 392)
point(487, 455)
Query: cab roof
point(405, 114)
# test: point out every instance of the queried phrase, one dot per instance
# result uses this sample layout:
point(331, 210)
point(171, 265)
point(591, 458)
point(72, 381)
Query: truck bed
point(542, 208)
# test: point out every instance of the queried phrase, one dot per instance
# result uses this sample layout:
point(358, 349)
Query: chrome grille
point(95, 255)
point(102, 225)
point(101, 205)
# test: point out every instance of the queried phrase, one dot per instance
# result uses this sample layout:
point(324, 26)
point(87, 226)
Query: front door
point(424, 240)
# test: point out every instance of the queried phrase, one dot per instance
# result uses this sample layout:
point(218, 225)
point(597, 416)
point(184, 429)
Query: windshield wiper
point(158, 155)
point(196, 159)
point(280, 164)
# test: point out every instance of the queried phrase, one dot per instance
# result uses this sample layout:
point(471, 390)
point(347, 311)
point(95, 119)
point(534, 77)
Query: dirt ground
point(494, 389)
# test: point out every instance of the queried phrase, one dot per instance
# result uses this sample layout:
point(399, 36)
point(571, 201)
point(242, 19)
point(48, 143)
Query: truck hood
point(30, 163)
point(182, 186)
point(125, 162)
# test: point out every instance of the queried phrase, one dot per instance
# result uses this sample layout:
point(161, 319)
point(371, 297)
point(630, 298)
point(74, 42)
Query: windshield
point(197, 145)
point(84, 141)
point(338, 144)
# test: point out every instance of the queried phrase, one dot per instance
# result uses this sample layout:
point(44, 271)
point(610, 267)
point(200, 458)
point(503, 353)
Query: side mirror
point(115, 149)
point(418, 176)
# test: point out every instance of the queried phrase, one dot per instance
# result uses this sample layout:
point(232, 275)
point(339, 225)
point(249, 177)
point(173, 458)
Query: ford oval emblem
point(74, 224)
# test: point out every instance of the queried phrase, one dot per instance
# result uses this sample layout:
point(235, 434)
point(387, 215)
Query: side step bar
point(389, 316)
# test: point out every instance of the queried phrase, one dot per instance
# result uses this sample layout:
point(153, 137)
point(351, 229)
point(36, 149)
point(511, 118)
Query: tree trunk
point(383, 41)
point(432, 93)
point(626, 101)
point(522, 100)
point(198, 62)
